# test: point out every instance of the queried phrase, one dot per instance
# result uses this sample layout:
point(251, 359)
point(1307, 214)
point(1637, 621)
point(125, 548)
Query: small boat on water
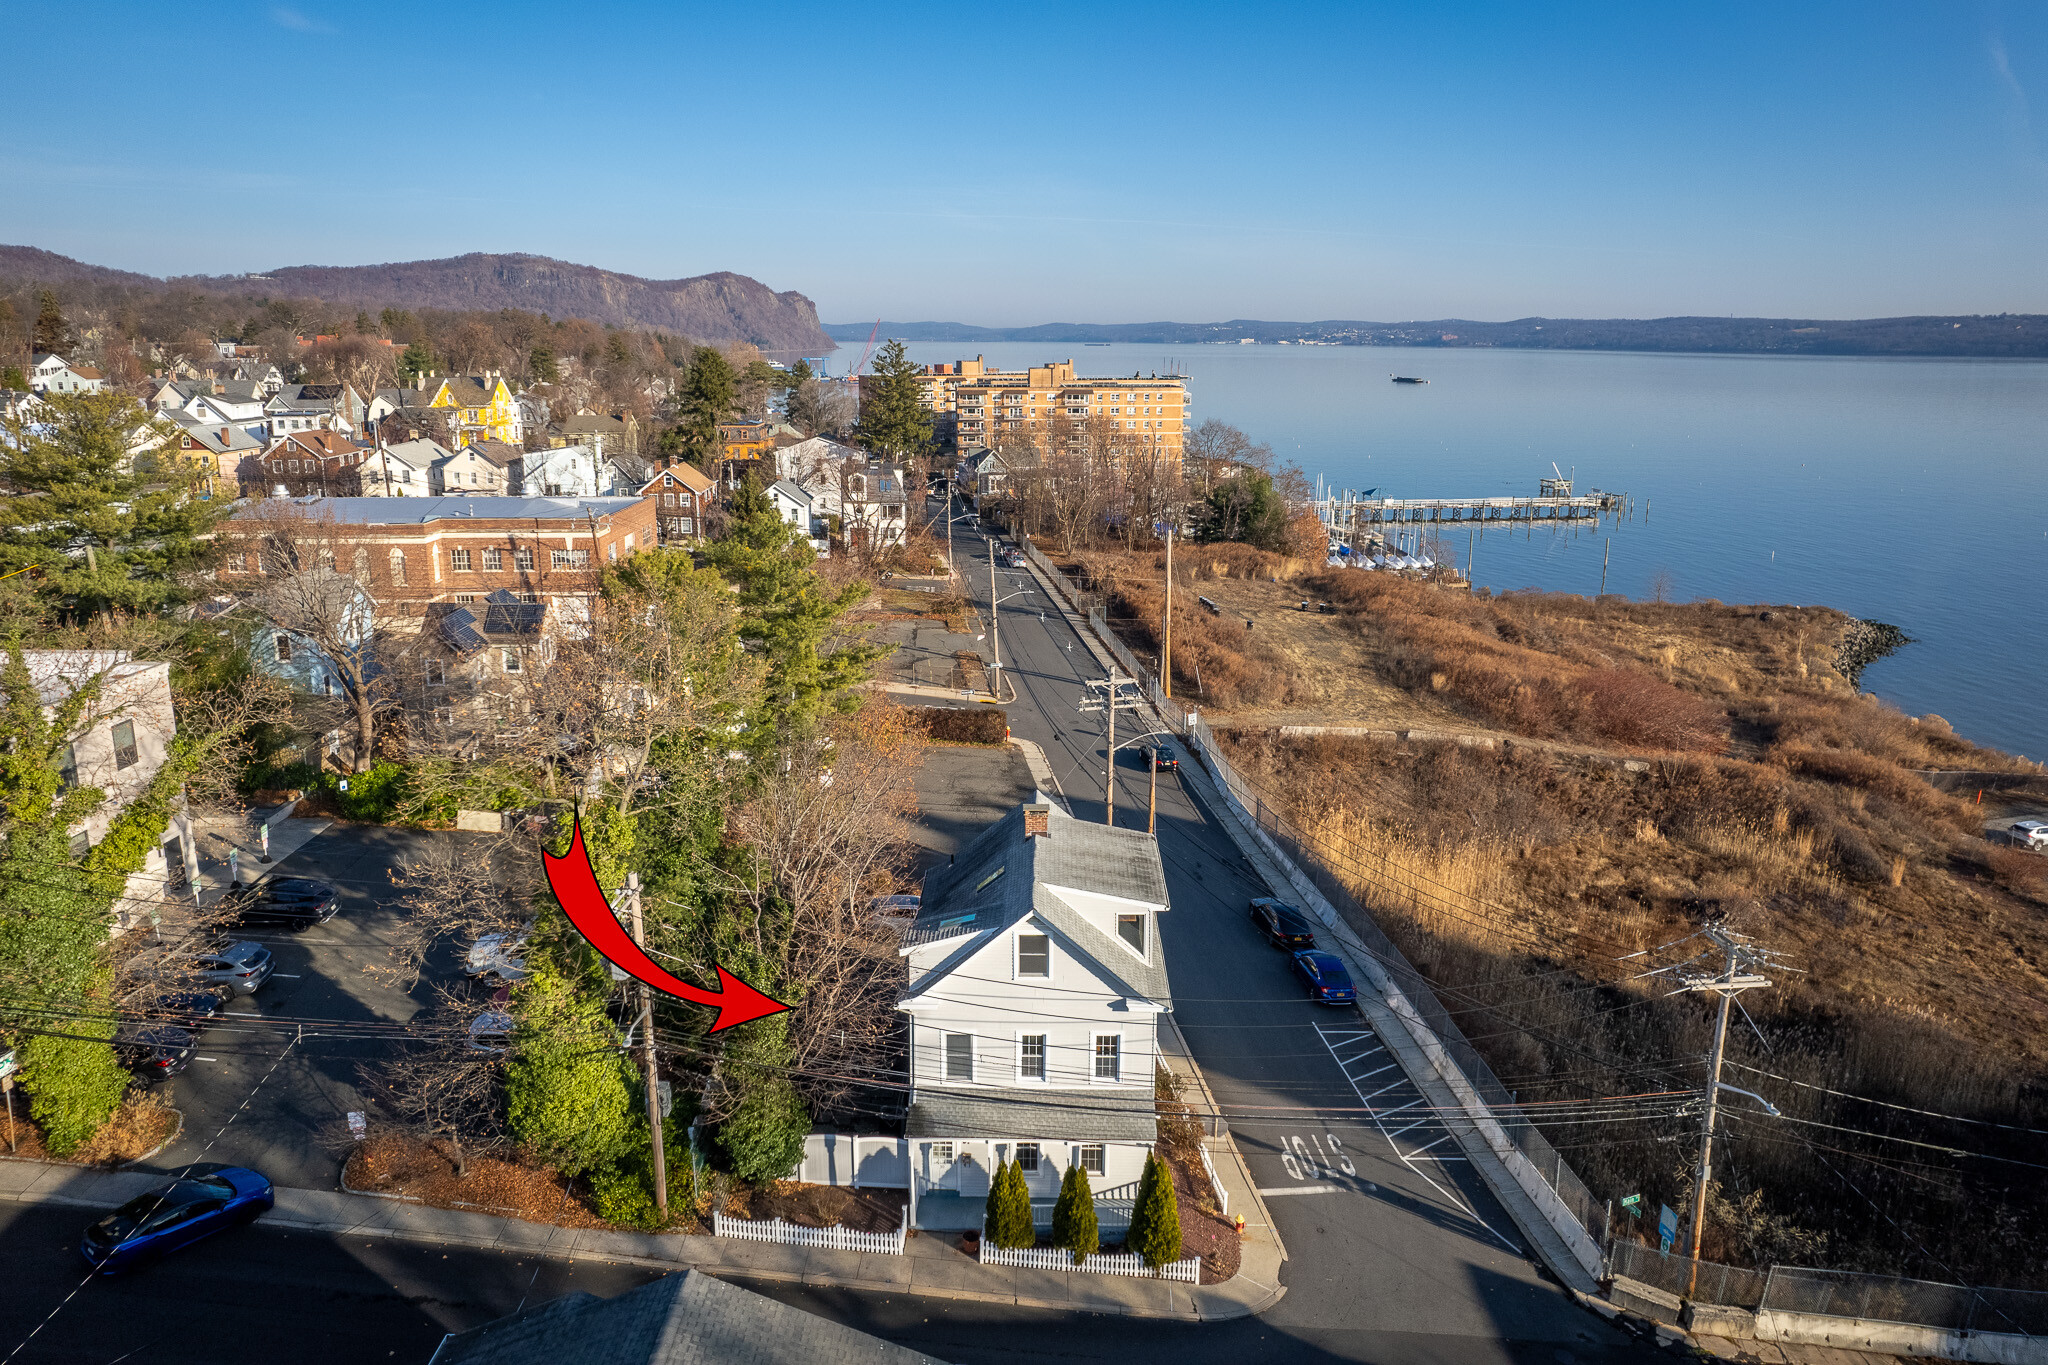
point(1406, 379)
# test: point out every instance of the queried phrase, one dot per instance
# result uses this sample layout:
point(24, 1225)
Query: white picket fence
point(1122, 1263)
point(793, 1234)
point(1222, 1195)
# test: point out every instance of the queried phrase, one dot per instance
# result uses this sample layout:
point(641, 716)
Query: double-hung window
point(67, 771)
point(959, 1056)
point(522, 559)
point(511, 660)
point(1034, 955)
point(1027, 1156)
point(125, 755)
point(1109, 1056)
point(459, 560)
point(494, 559)
point(1031, 1057)
point(1091, 1158)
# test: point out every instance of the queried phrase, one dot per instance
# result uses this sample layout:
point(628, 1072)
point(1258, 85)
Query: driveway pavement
point(292, 1050)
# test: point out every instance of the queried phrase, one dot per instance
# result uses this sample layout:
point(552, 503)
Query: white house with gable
point(117, 743)
point(1035, 986)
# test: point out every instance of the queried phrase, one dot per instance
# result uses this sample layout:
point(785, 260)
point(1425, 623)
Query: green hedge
point(961, 725)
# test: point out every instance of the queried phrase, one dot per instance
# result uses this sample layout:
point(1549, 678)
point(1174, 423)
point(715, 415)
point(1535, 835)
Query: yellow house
point(481, 407)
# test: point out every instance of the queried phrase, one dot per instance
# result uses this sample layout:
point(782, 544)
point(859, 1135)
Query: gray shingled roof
point(415, 511)
point(1107, 1116)
point(1075, 853)
point(684, 1319)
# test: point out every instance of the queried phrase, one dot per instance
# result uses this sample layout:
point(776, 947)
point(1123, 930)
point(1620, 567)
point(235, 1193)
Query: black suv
point(155, 1052)
point(1284, 925)
point(290, 902)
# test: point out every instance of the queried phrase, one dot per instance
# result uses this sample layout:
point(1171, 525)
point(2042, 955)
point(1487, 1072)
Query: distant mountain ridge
point(720, 306)
point(2011, 335)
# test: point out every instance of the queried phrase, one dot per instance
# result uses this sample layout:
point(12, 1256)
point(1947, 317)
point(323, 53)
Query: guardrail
point(793, 1234)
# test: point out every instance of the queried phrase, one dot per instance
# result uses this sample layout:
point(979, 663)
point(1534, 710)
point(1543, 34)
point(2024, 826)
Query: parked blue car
point(203, 1201)
point(1324, 975)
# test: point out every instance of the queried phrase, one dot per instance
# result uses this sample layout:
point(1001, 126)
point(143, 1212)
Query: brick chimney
point(1038, 822)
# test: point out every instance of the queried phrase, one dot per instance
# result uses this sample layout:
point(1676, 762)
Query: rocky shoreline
point(1863, 644)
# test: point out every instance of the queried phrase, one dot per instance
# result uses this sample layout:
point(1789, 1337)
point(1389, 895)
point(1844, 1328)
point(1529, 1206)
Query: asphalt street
point(316, 1299)
point(1387, 1227)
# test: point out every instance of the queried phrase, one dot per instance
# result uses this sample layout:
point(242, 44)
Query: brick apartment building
point(973, 403)
point(413, 553)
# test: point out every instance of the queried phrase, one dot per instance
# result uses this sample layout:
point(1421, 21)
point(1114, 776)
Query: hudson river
point(1907, 491)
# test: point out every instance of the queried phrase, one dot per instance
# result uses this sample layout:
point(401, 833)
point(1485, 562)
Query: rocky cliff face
point(716, 307)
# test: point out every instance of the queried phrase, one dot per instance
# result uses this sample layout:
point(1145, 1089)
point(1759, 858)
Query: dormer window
point(1131, 929)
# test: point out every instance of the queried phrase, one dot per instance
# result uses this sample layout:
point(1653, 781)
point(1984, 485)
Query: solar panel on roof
point(459, 627)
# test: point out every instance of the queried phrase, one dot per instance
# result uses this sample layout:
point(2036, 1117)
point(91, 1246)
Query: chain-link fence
point(1714, 1283)
point(1889, 1298)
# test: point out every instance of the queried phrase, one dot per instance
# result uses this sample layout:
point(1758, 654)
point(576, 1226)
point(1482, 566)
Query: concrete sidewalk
point(243, 831)
point(930, 1266)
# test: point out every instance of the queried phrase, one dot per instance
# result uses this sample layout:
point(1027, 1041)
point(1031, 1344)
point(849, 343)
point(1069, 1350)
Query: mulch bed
point(821, 1206)
point(1203, 1231)
point(141, 1125)
point(395, 1164)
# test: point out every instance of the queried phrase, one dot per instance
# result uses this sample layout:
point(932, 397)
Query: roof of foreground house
point(1110, 1116)
point(1004, 877)
point(682, 1319)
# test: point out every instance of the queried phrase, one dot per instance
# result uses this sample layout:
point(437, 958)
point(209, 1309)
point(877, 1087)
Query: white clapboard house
point(1034, 990)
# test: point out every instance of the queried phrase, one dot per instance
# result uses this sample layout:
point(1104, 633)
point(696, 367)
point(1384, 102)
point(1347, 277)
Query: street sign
point(9, 1063)
point(1667, 1227)
point(1634, 1204)
point(358, 1125)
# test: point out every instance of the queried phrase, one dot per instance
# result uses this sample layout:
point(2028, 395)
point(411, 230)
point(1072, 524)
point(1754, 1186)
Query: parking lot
point(270, 1085)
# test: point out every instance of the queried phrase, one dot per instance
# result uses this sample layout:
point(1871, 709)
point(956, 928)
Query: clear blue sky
point(1038, 162)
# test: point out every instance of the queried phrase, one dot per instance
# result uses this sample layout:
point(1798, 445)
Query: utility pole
point(647, 1063)
point(1152, 808)
point(1107, 694)
point(1166, 621)
point(1736, 976)
point(995, 626)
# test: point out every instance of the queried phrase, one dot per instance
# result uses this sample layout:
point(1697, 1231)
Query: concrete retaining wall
point(480, 821)
point(1901, 1339)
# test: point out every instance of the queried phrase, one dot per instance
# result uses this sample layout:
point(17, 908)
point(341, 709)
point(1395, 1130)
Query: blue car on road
point(1325, 976)
point(204, 1200)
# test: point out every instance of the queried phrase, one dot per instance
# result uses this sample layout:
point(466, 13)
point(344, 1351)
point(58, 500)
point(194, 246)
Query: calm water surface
point(1908, 491)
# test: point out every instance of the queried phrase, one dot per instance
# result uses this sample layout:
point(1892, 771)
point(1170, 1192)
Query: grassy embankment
point(1775, 798)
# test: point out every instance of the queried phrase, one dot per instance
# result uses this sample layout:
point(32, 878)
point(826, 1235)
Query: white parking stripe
point(1451, 1195)
point(1370, 1074)
point(1383, 1090)
point(1297, 1189)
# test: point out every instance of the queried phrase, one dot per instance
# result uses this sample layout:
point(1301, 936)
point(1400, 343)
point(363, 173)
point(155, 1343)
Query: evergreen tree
point(799, 373)
point(52, 332)
point(1247, 508)
point(542, 363)
point(417, 360)
point(69, 482)
point(786, 606)
point(568, 1094)
point(710, 396)
point(1155, 1219)
point(893, 420)
point(1009, 1209)
point(1073, 1218)
point(365, 325)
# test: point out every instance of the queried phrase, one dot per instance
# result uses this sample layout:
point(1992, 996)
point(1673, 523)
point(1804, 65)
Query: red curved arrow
point(583, 901)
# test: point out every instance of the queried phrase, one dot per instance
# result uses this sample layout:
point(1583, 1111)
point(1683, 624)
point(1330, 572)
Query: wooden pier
point(1365, 523)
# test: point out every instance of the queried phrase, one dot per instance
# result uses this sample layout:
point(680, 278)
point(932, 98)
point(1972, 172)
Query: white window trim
point(1102, 1147)
point(1045, 1059)
point(946, 1036)
point(1122, 1059)
point(1017, 954)
point(1145, 922)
